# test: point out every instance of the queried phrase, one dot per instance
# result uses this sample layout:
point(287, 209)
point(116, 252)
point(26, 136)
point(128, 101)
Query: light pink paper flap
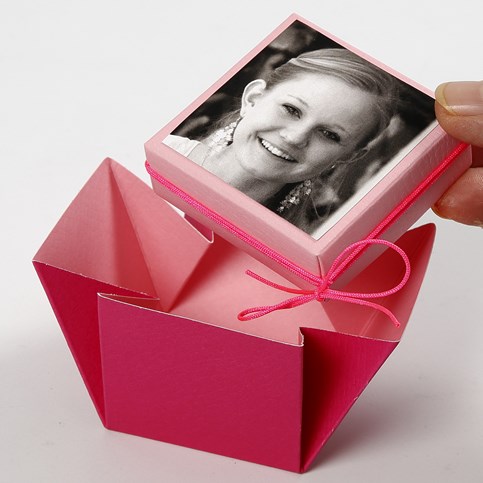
point(118, 231)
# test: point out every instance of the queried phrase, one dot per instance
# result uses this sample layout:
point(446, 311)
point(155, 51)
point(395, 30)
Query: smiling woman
point(304, 139)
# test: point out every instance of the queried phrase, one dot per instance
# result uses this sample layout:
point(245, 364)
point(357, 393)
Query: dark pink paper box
point(149, 307)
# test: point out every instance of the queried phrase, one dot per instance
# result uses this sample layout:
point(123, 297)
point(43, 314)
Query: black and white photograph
point(306, 128)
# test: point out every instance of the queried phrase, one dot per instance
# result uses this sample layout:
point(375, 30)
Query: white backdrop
point(84, 80)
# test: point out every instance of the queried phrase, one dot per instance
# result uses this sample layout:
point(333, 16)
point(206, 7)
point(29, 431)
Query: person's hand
point(459, 110)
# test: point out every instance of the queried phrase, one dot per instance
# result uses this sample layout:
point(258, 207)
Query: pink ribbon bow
point(322, 290)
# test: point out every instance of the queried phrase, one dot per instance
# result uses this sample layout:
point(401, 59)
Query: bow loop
point(322, 290)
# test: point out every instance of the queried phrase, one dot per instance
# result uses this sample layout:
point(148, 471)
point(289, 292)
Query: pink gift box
point(416, 156)
point(147, 302)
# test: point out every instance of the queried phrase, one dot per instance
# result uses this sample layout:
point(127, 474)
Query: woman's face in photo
point(301, 127)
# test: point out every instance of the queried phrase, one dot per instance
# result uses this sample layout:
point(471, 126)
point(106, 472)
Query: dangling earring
point(295, 195)
point(223, 137)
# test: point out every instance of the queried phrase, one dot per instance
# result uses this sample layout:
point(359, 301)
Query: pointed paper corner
point(161, 232)
point(424, 234)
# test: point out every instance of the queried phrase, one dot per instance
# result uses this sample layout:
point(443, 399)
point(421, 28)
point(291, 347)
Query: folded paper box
point(147, 302)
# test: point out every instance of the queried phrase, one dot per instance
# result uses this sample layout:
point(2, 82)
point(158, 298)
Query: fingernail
point(437, 210)
point(461, 98)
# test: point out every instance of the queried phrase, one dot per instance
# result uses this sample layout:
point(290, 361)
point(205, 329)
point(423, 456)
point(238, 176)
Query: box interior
point(120, 232)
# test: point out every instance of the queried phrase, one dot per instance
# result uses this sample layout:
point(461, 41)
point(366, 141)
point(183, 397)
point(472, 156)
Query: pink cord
point(341, 263)
point(323, 291)
point(405, 204)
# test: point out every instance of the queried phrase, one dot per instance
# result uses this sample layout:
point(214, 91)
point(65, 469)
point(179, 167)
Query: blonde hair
point(352, 69)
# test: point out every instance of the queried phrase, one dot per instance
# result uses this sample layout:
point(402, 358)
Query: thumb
point(459, 109)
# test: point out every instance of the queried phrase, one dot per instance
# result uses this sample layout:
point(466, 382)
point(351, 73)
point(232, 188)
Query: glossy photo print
point(306, 128)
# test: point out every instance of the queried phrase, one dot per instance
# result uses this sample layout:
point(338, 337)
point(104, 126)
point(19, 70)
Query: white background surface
point(84, 80)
